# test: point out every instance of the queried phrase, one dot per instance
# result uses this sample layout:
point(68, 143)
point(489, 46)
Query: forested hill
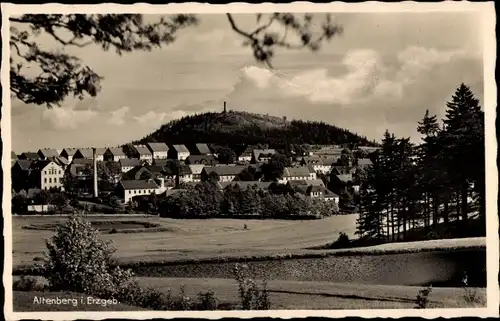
point(236, 128)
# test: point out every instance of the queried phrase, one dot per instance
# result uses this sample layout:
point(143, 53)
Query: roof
point(225, 170)
point(59, 160)
point(24, 164)
point(82, 161)
point(314, 159)
point(158, 147)
point(86, 152)
point(203, 149)
point(329, 161)
point(13, 155)
point(245, 184)
point(41, 164)
point(70, 151)
point(48, 152)
point(197, 159)
point(128, 162)
point(296, 171)
point(364, 162)
point(309, 182)
point(247, 152)
point(116, 151)
point(138, 184)
point(345, 177)
point(134, 173)
point(263, 152)
point(76, 169)
point(180, 148)
point(185, 170)
point(31, 155)
point(196, 169)
point(328, 193)
point(315, 188)
point(142, 150)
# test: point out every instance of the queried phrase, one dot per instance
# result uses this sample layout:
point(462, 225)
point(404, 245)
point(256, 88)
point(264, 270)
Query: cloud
point(366, 76)
point(66, 118)
point(117, 117)
point(153, 120)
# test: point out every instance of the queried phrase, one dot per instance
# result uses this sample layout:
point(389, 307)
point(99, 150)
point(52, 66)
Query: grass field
point(194, 239)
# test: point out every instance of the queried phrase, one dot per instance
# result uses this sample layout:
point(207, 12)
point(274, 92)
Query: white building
point(158, 150)
point(131, 188)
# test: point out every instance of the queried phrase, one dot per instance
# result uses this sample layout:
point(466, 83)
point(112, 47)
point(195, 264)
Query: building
point(297, 173)
point(208, 160)
point(262, 155)
point(46, 153)
point(185, 174)
point(87, 153)
point(13, 158)
point(320, 164)
point(114, 154)
point(68, 153)
point(126, 164)
point(47, 174)
point(202, 149)
point(322, 193)
point(364, 163)
point(225, 173)
point(179, 152)
point(158, 150)
point(21, 174)
point(246, 156)
point(128, 189)
point(29, 156)
point(196, 170)
point(143, 153)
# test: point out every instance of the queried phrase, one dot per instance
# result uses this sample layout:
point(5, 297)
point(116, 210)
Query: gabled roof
point(116, 151)
point(296, 171)
point(128, 162)
point(13, 155)
point(48, 152)
point(225, 170)
point(157, 147)
point(33, 192)
point(247, 152)
point(70, 151)
point(203, 149)
point(59, 160)
point(345, 177)
point(77, 169)
point(41, 164)
point(138, 184)
point(185, 170)
point(142, 150)
point(31, 155)
point(198, 159)
point(24, 164)
point(86, 152)
point(135, 173)
point(196, 169)
point(180, 148)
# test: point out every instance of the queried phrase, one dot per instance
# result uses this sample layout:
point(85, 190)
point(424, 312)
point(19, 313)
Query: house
point(262, 155)
point(29, 156)
point(179, 152)
point(129, 189)
point(80, 171)
point(310, 182)
point(319, 164)
point(185, 174)
point(114, 154)
point(344, 181)
point(126, 164)
point(196, 170)
point(340, 170)
point(202, 149)
point(225, 173)
point(20, 174)
point(47, 174)
point(68, 153)
point(208, 160)
point(45, 153)
point(297, 173)
point(322, 193)
point(330, 196)
point(137, 173)
point(246, 156)
point(158, 150)
point(87, 153)
point(143, 153)
point(61, 161)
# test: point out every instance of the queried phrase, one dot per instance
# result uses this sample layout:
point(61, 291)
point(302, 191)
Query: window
point(45, 172)
point(50, 179)
point(59, 172)
point(45, 180)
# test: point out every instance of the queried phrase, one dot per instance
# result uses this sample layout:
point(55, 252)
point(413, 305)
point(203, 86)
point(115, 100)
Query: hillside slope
point(236, 128)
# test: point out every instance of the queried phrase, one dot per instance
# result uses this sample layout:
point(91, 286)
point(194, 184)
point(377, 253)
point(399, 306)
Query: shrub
point(78, 260)
point(423, 297)
point(207, 301)
point(27, 283)
point(470, 295)
point(113, 231)
point(343, 241)
point(252, 298)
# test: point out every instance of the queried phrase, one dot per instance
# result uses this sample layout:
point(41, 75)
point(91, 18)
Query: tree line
point(432, 188)
point(206, 200)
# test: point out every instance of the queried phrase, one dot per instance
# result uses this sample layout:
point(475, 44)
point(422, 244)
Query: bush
point(252, 298)
point(342, 242)
point(27, 283)
point(423, 297)
point(78, 260)
point(207, 301)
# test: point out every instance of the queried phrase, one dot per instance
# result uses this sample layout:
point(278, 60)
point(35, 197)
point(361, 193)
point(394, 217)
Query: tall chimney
point(94, 161)
point(225, 107)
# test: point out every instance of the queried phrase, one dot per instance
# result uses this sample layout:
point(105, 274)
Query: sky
point(381, 73)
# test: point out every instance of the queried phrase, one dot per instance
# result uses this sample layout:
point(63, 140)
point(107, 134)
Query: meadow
point(383, 276)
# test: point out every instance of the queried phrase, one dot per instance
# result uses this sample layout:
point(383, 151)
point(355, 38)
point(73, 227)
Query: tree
point(226, 156)
point(273, 170)
point(20, 203)
point(145, 175)
point(61, 75)
point(59, 200)
point(78, 260)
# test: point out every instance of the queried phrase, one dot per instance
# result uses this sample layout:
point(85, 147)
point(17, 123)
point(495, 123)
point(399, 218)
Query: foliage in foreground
point(423, 297)
point(252, 297)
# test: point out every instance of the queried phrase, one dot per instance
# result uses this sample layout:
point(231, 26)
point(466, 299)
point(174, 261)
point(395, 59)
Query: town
point(124, 174)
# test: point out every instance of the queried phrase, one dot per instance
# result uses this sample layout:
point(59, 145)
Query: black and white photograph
point(306, 159)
